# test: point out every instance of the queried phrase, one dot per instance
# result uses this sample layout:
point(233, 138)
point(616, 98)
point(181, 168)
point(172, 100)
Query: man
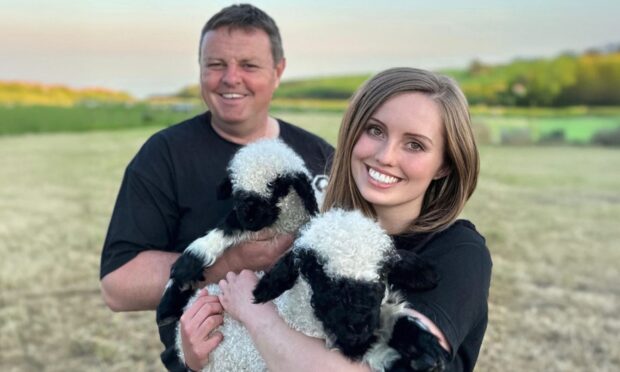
point(168, 194)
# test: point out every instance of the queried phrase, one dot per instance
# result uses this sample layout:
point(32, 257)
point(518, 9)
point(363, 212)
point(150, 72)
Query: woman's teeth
point(380, 177)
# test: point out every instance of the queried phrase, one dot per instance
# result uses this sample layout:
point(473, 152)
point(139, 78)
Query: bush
point(607, 137)
point(515, 136)
point(555, 137)
point(482, 133)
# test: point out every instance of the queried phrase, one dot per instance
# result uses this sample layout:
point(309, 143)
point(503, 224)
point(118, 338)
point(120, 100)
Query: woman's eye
point(414, 146)
point(374, 131)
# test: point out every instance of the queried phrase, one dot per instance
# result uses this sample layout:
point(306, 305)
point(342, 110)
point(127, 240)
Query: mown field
point(574, 125)
point(550, 215)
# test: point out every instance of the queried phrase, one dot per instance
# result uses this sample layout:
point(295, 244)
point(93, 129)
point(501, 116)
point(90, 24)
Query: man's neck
point(270, 128)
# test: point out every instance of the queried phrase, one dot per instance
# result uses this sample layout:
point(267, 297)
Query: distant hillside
point(592, 78)
point(27, 93)
point(334, 87)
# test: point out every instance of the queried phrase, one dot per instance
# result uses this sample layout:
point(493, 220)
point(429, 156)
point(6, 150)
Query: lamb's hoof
point(419, 349)
point(187, 270)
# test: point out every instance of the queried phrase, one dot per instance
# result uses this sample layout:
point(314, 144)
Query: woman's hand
point(237, 299)
point(197, 327)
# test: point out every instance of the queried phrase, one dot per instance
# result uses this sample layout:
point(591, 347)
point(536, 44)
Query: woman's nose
point(385, 154)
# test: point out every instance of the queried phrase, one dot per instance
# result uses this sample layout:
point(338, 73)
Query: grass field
point(550, 215)
point(575, 130)
point(45, 119)
point(575, 125)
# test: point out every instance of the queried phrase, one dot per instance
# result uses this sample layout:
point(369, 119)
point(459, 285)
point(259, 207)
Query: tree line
point(592, 79)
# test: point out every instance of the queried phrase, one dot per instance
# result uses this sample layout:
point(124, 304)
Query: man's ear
point(224, 190)
point(280, 66)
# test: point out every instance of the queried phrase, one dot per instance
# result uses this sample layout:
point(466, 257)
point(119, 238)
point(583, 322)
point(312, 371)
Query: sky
point(148, 47)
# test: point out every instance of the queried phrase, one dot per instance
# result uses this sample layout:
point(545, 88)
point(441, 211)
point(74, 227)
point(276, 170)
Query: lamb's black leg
point(419, 349)
point(276, 281)
point(189, 268)
point(186, 271)
point(172, 303)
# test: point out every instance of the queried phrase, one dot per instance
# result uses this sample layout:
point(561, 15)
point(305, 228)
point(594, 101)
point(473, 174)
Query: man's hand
point(256, 255)
point(197, 327)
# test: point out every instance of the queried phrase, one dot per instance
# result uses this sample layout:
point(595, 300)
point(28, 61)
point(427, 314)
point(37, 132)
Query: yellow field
point(550, 216)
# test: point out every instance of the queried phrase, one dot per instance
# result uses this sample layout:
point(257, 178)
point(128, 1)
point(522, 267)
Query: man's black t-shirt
point(458, 305)
point(168, 197)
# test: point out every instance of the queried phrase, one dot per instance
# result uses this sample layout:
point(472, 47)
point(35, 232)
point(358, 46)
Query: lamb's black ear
point(224, 190)
point(303, 186)
point(276, 281)
point(408, 270)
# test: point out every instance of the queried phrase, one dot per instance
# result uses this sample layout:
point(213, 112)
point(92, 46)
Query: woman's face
point(399, 153)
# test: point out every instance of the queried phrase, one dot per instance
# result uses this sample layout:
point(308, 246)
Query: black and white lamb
point(334, 284)
point(270, 188)
point(341, 271)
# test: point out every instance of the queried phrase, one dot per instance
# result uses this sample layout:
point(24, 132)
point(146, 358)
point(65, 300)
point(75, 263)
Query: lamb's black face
point(253, 211)
point(351, 314)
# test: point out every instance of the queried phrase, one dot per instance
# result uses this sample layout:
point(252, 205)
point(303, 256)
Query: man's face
point(238, 76)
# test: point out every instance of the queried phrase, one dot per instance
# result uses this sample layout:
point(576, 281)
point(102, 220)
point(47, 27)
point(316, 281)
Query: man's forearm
point(138, 284)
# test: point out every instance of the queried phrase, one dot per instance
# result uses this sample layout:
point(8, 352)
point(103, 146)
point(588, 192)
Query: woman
point(406, 156)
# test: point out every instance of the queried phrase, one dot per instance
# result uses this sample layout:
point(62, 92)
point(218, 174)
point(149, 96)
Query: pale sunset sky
point(149, 47)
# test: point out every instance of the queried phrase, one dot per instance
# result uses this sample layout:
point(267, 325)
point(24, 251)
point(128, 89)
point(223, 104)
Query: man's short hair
point(246, 17)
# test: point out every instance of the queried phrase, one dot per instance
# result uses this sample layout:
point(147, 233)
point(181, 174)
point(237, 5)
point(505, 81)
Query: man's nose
point(232, 75)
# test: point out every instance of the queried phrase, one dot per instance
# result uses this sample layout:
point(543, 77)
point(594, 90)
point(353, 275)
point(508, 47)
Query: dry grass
point(550, 216)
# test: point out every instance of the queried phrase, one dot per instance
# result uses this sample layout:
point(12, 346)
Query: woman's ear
point(442, 172)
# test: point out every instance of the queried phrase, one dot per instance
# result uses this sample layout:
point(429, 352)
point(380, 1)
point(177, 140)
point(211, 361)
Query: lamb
point(271, 188)
point(334, 284)
point(345, 266)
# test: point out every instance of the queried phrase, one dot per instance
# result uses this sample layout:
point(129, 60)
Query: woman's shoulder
point(461, 234)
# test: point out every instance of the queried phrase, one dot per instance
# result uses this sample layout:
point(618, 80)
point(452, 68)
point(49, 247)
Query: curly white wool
point(352, 245)
point(248, 169)
point(237, 352)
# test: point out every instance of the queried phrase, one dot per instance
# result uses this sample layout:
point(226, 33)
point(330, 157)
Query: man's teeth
point(232, 95)
point(380, 177)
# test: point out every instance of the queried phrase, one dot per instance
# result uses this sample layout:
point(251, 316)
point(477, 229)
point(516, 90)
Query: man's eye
point(215, 65)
